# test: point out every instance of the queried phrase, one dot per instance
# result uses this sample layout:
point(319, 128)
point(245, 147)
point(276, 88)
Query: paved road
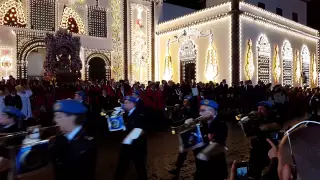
point(162, 153)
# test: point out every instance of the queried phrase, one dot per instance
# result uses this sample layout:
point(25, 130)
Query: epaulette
point(88, 138)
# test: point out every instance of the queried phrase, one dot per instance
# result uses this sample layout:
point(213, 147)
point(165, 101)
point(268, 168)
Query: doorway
point(188, 71)
point(97, 69)
point(35, 61)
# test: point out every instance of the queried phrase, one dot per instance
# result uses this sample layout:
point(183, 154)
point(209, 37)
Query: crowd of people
point(149, 106)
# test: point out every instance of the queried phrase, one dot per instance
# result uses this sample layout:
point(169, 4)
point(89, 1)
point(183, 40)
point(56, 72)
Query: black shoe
point(174, 171)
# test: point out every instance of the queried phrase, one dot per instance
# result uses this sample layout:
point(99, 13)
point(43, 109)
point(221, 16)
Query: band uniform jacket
point(4, 151)
point(217, 166)
point(75, 159)
point(11, 141)
point(14, 101)
point(136, 120)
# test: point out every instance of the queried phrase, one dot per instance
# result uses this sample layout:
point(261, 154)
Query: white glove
point(188, 121)
point(246, 118)
point(117, 108)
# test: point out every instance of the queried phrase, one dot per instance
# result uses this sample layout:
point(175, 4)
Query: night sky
point(313, 9)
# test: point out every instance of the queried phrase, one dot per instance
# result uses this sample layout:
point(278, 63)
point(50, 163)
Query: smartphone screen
point(242, 171)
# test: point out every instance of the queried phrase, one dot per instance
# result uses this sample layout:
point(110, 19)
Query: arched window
point(264, 59)
point(305, 58)
point(287, 63)
point(72, 21)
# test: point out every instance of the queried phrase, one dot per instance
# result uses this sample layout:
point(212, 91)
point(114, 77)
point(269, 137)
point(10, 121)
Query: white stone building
point(249, 43)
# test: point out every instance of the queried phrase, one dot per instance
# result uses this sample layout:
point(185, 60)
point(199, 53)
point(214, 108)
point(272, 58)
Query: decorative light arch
point(211, 67)
point(305, 59)
point(187, 54)
point(287, 64)
point(264, 59)
point(276, 65)
point(297, 68)
point(15, 7)
point(26, 49)
point(314, 70)
point(69, 15)
point(106, 61)
point(249, 64)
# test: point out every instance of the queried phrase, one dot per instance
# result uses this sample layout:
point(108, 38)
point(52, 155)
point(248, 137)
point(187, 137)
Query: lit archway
point(305, 59)
point(188, 60)
point(35, 63)
point(287, 64)
point(72, 21)
point(101, 63)
point(25, 50)
point(264, 59)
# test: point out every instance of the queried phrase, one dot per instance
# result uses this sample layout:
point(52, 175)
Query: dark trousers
point(136, 154)
point(182, 156)
point(216, 168)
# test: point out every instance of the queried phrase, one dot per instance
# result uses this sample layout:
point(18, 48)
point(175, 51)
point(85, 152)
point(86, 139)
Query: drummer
point(74, 153)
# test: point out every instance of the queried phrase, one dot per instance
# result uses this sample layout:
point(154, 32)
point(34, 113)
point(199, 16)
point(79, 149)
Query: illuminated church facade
point(106, 36)
point(124, 40)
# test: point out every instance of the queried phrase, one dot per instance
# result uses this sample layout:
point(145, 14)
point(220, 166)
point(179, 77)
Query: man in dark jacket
point(13, 100)
point(134, 146)
point(73, 152)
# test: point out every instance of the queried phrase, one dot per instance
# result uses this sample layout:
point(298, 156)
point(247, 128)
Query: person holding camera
point(73, 152)
point(134, 145)
point(296, 156)
point(265, 122)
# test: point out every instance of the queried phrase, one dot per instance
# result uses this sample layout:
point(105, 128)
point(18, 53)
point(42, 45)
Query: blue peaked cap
point(210, 103)
point(70, 106)
point(131, 98)
point(13, 111)
point(265, 103)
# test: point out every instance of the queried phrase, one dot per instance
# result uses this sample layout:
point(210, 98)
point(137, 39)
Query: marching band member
point(217, 132)
point(134, 146)
point(74, 153)
point(137, 94)
point(79, 96)
point(188, 113)
point(9, 121)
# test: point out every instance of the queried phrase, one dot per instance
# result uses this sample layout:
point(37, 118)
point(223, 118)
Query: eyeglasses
point(204, 110)
point(287, 133)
